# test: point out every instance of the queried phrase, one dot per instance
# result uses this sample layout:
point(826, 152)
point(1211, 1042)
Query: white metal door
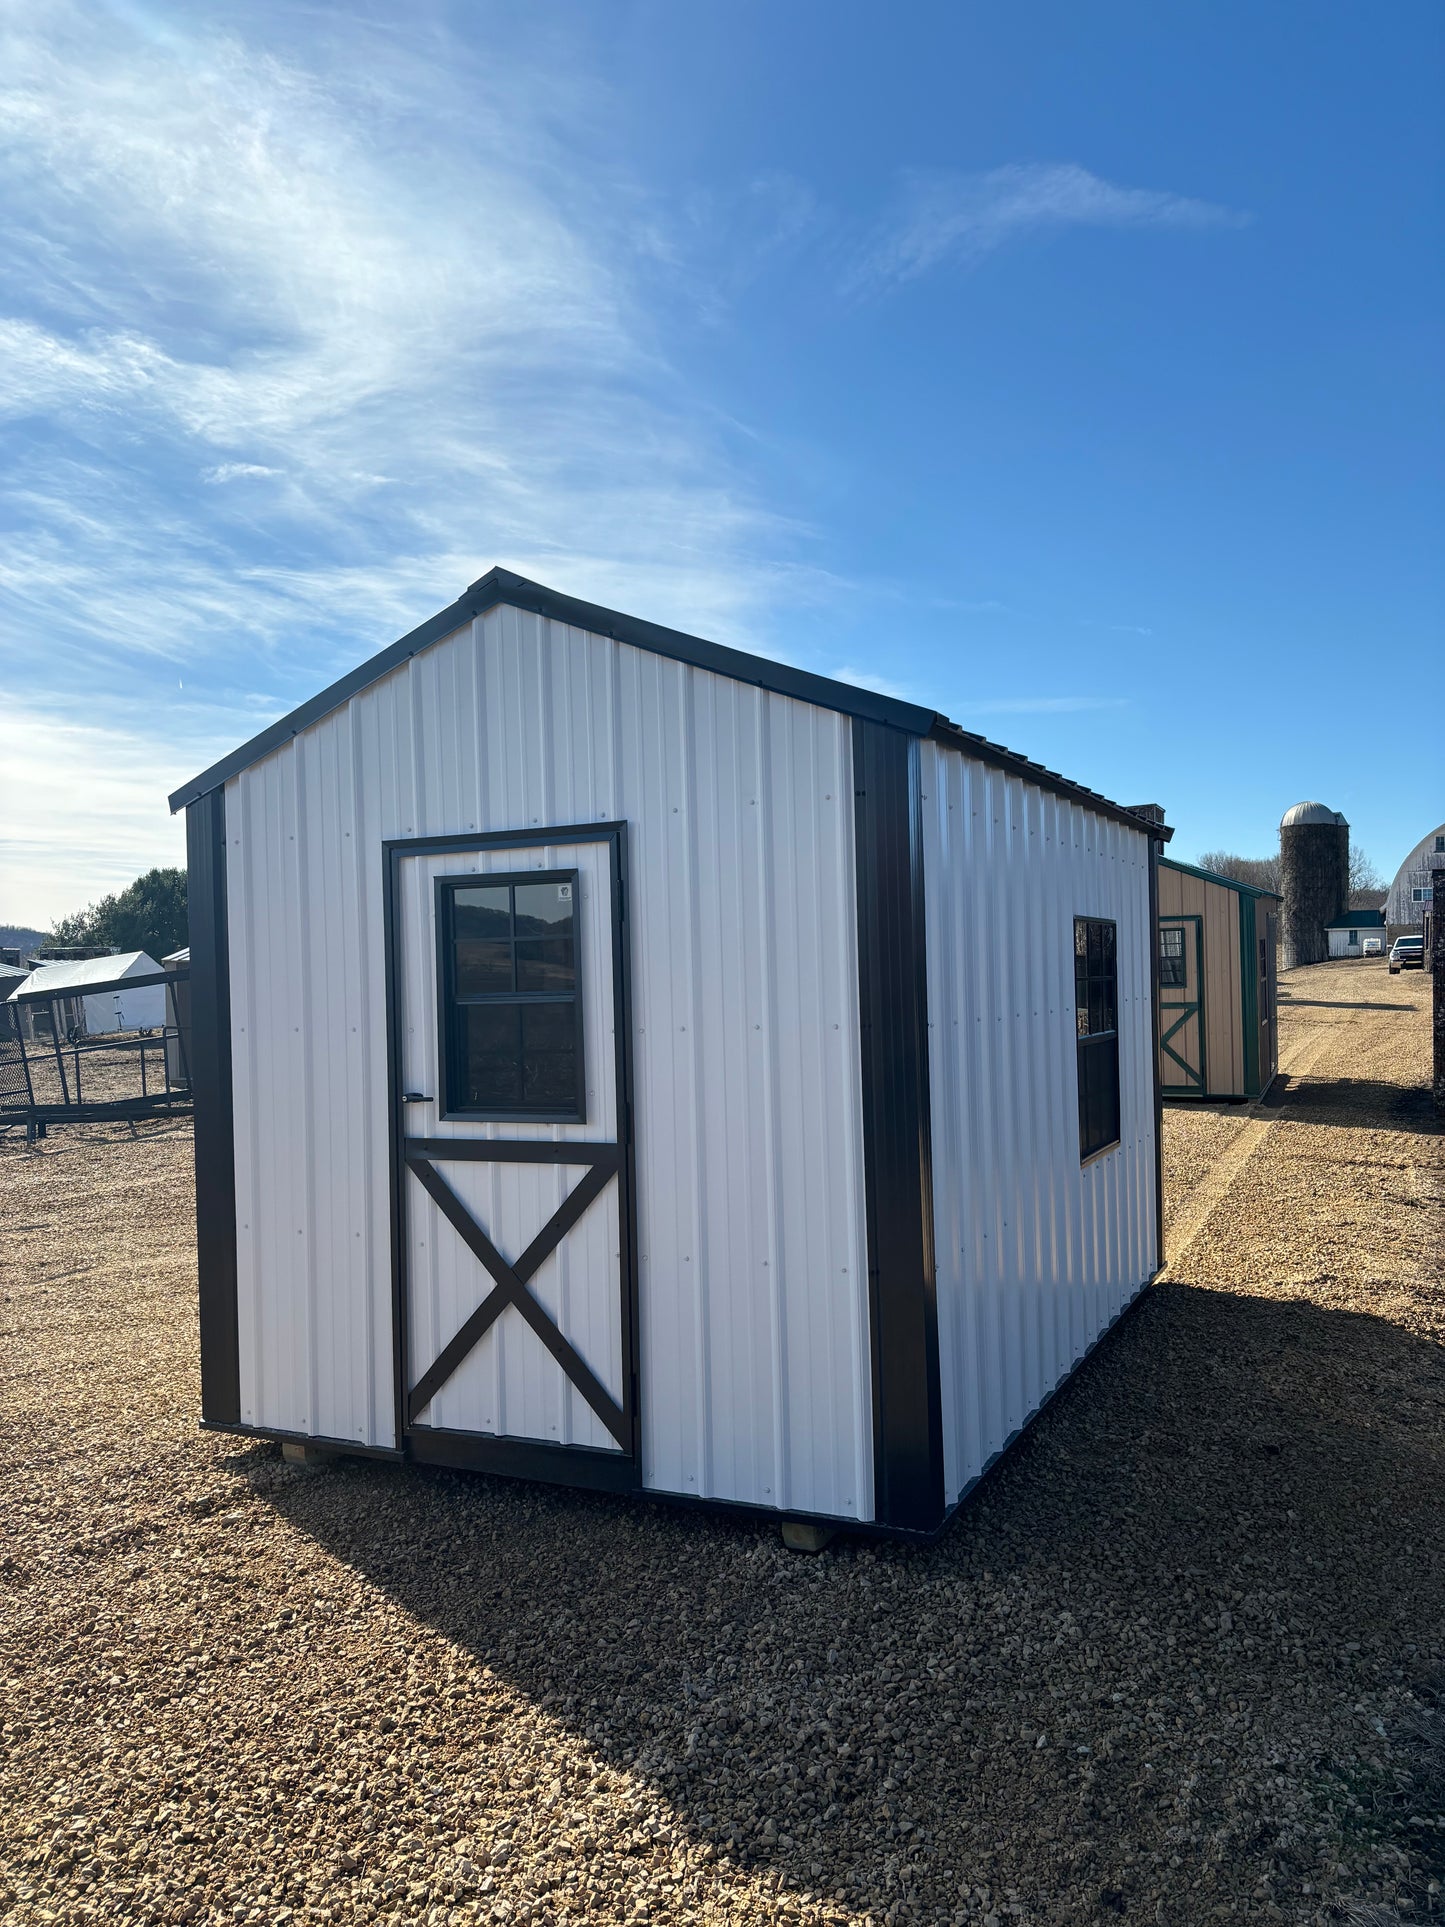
point(516, 1279)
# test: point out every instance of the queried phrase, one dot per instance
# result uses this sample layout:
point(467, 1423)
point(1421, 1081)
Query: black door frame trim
point(908, 1470)
point(618, 1470)
point(1156, 857)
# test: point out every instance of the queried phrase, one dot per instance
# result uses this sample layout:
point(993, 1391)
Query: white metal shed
point(626, 1061)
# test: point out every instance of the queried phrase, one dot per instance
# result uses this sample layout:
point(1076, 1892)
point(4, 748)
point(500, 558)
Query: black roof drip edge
point(501, 586)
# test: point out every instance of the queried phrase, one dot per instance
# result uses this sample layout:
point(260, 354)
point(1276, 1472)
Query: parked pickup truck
point(1407, 953)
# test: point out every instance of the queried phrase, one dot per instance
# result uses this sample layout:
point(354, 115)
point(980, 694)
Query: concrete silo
point(1314, 850)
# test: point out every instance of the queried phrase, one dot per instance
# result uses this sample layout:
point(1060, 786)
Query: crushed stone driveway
point(1179, 1660)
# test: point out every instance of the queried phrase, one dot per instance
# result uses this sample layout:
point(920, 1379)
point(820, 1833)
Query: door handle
point(414, 1097)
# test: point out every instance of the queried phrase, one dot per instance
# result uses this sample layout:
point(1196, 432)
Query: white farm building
point(628, 1062)
point(117, 1007)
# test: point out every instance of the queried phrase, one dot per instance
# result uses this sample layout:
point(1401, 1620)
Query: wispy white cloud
point(82, 811)
point(943, 216)
point(881, 685)
point(296, 340)
point(236, 471)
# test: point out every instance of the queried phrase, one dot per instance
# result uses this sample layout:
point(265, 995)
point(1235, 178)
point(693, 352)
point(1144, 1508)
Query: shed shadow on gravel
point(1192, 1557)
point(1354, 1103)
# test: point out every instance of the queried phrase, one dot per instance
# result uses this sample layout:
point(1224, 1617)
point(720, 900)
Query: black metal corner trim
point(214, 1119)
point(1156, 857)
point(897, 1136)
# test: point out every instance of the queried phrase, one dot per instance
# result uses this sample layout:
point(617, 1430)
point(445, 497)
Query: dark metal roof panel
point(500, 586)
point(1213, 876)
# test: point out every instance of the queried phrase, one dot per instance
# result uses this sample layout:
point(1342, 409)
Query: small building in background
point(1218, 1032)
point(1348, 931)
point(112, 1009)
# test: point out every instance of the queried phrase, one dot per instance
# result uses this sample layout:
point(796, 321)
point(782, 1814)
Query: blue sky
point(1076, 371)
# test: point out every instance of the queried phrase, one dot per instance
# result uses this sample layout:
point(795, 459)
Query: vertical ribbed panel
point(754, 1320)
point(1034, 1253)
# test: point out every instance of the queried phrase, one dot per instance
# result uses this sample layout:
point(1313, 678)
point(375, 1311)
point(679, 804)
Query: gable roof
point(1357, 920)
point(73, 979)
point(500, 586)
point(1212, 876)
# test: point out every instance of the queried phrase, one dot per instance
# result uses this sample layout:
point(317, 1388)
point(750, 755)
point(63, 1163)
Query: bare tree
point(1261, 871)
point(1367, 887)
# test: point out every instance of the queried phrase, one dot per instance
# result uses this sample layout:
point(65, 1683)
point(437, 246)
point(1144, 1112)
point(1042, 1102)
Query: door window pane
point(544, 909)
point(545, 964)
point(482, 967)
point(482, 913)
point(511, 1005)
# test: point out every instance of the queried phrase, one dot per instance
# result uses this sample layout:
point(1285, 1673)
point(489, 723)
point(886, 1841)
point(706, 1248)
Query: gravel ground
point(1181, 1659)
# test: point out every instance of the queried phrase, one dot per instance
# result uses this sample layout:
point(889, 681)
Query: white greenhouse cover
point(72, 979)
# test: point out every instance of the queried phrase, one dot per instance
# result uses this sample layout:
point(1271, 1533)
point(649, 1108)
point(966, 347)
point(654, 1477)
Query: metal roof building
point(630, 1062)
point(1413, 890)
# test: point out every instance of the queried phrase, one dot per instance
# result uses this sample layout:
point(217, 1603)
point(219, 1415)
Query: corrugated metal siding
point(1035, 1255)
point(754, 1322)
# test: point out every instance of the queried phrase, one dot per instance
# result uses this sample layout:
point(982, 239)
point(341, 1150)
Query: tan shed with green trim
point(1217, 988)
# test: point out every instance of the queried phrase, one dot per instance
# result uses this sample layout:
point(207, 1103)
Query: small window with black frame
point(1096, 1003)
point(511, 997)
point(1172, 973)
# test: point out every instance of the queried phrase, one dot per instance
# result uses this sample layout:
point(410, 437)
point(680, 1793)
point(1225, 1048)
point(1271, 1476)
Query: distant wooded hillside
point(18, 936)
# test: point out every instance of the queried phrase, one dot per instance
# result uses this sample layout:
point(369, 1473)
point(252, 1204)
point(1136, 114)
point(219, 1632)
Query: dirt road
point(1179, 1660)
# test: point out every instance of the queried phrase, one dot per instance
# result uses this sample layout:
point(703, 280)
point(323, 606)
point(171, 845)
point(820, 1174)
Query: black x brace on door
point(604, 1161)
point(415, 1161)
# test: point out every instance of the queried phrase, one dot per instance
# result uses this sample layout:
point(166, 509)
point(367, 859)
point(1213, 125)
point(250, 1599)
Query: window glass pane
point(1109, 934)
point(490, 1075)
point(549, 1079)
point(482, 967)
point(545, 964)
point(1081, 941)
point(482, 911)
point(544, 909)
point(511, 941)
point(549, 1026)
point(1096, 948)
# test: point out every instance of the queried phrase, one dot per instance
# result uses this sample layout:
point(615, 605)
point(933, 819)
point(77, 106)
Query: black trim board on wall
point(213, 1120)
point(897, 1141)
